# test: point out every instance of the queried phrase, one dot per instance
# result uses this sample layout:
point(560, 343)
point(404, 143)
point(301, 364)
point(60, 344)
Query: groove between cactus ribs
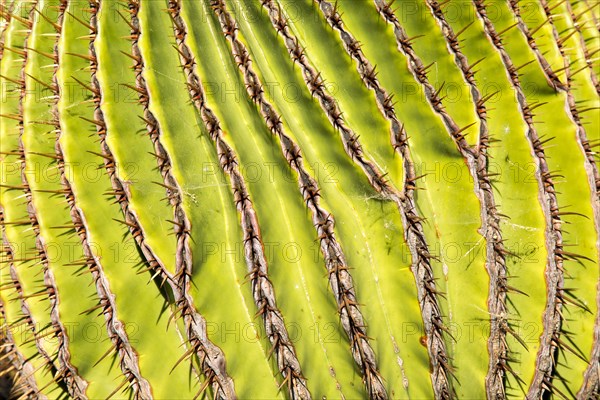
point(421, 269)
point(556, 297)
point(19, 370)
point(67, 372)
point(128, 358)
point(587, 53)
point(263, 291)
point(28, 319)
point(211, 358)
point(338, 271)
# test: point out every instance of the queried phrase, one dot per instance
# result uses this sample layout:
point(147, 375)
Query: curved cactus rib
point(67, 372)
point(116, 331)
point(24, 280)
point(422, 269)
point(28, 319)
point(13, 366)
point(550, 74)
point(552, 320)
point(477, 161)
point(591, 382)
point(172, 187)
point(212, 358)
point(496, 252)
point(574, 113)
point(412, 225)
point(263, 291)
point(5, 13)
point(209, 197)
point(340, 278)
point(419, 71)
point(567, 87)
point(587, 53)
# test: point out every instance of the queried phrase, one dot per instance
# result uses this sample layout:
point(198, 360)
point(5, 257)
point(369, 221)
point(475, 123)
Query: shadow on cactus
point(299, 199)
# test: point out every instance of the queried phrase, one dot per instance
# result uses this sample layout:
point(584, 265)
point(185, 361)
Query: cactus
point(299, 199)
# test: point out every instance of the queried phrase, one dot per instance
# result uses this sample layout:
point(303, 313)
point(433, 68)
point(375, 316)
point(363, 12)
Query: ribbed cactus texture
point(264, 199)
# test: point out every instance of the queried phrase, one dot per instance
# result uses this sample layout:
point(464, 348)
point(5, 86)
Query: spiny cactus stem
point(253, 245)
point(574, 114)
point(29, 320)
point(317, 88)
point(419, 71)
point(496, 251)
point(415, 236)
point(591, 377)
point(182, 224)
point(24, 371)
point(211, 357)
point(587, 54)
point(76, 385)
point(116, 331)
point(550, 75)
point(552, 317)
point(339, 276)
point(5, 13)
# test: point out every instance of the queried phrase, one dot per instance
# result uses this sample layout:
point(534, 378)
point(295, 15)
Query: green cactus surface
point(297, 199)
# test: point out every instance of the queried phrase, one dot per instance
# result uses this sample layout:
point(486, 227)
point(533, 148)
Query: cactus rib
point(574, 114)
point(582, 42)
point(591, 381)
point(497, 346)
point(340, 279)
point(67, 371)
point(263, 291)
point(422, 270)
point(411, 220)
point(212, 358)
point(552, 317)
point(477, 162)
point(11, 360)
point(173, 189)
point(116, 331)
point(29, 320)
point(419, 71)
point(550, 75)
point(253, 245)
point(13, 366)
point(5, 13)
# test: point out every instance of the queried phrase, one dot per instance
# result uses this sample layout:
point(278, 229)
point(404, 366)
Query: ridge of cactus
point(214, 369)
point(121, 345)
point(263, 292)
point(553, 79)
point(221, 198)
point(27, 321)
point(17, 373)
point(427, 292)
point(340, 278)
point(66, 372)
point(550, 341)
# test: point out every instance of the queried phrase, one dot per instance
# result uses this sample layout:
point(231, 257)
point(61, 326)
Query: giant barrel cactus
point(264, 199)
